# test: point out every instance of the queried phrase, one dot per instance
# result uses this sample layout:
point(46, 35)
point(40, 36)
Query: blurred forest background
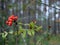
point(45, 12)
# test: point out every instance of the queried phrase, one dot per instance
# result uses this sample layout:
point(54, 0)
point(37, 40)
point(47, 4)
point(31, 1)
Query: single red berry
point(15, 18)
point(10, 20)
point(7, 22)
point(11, 17)
point(10, 24)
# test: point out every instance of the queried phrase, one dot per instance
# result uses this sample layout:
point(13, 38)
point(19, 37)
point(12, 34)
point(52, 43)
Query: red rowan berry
point(10, 20)
point(15, 18)
point(11, 17)
point(10, 24)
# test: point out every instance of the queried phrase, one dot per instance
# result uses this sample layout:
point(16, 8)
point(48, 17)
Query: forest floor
point(55, 40)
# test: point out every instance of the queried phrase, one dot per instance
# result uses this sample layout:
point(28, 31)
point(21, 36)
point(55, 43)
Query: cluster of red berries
point(11, 19)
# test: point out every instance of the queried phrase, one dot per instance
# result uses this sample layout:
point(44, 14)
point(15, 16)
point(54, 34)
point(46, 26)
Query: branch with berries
point(32, 27)
point(11, 19)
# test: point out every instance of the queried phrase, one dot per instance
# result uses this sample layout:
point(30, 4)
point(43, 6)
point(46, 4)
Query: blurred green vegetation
point(34, 35)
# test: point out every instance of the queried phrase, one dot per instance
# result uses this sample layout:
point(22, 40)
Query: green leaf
point(33, 32)
point(32, 25)
point(11, 32)
point(19, 32)
point(4, 34)
point(24, 34)
point(20, 23)
point(29, 32)
point(20, 27)
point(39, 28)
